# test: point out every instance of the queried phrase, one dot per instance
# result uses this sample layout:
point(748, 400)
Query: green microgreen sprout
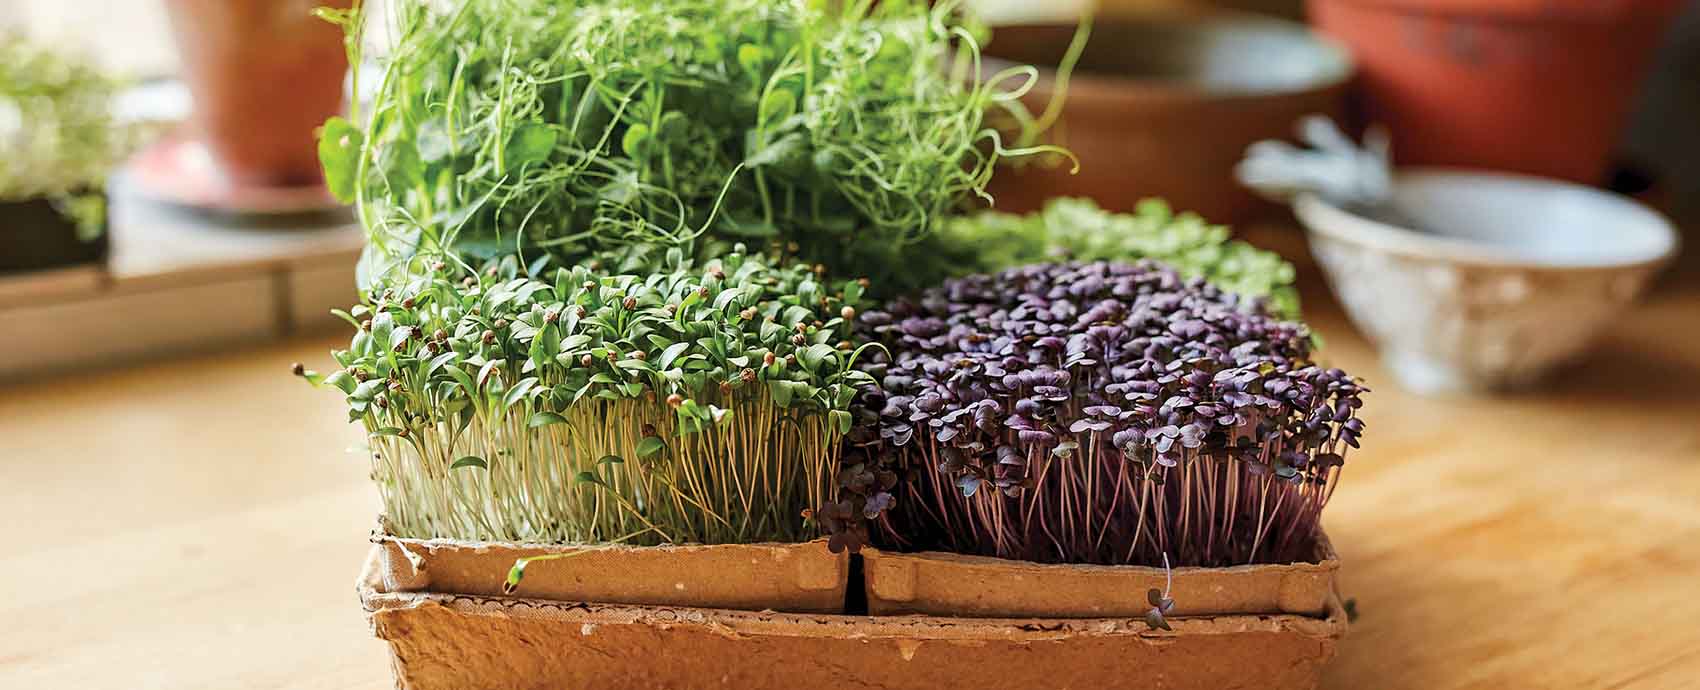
point(703, 403)
point(833, 133)
point(517, 571)
point(1078, 229)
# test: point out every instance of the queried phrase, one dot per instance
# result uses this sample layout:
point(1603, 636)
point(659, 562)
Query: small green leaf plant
point(832, 133)
point(57, 135)
point(702, 403)
point(1077, 229)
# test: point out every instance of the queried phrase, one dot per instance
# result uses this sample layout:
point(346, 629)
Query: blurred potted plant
point(264, 75)
point(1163, 103)
point(1535, 87)
point(1088, 426)
point(57, 143)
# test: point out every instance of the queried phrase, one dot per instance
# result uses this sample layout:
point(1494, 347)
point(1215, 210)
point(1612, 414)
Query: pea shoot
point(832, 133)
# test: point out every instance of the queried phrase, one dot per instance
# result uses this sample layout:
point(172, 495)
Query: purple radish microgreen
point(1161, 603)
point(1099, 413)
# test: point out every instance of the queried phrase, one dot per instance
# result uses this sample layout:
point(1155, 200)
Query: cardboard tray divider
point(948, 584)
point(804, 577)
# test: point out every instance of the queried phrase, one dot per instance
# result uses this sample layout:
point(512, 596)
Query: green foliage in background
point(700, 404)
point(57, 138)
point(834, 133)
point(1078, 229)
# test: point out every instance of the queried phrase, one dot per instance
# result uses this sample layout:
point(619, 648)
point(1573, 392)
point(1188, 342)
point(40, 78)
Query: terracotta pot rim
point(1524, 11)
point(1322, 218)
point(1333, 63)
point(1115, 93)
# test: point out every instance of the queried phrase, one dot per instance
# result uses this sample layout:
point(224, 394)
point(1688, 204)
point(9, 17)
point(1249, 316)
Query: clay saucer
point(178, 170)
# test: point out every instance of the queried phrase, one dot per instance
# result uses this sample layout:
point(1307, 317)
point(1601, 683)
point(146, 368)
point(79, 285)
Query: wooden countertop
point(199, 523)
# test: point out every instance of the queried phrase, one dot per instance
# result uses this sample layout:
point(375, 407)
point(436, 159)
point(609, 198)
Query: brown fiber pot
point(1165, 106)
point(1541, 87)
point(265, 74)
point(443, 642)
point(947, 584)
point(805, 578)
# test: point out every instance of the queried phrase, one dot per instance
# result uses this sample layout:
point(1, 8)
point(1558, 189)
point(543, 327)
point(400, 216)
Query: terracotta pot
point(803, 577)
point(265, 74)
point(1541, 87)
point(1166, 105)
point(947, 584)
point(471, 643)
point(34, 235)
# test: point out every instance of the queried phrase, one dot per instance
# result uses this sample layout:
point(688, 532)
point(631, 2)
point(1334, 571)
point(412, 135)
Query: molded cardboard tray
point(803, 578)
point(460, 642)
point(947, 584)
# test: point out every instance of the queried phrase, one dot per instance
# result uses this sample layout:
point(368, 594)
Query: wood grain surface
point(199, 523)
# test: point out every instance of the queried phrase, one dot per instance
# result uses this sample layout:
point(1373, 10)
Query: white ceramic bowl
point(1507, 277)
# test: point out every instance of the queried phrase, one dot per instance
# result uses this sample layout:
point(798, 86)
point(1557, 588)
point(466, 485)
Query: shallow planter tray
point(946, 584)
point(444, 641)
point(804, 577)
point(35, 236)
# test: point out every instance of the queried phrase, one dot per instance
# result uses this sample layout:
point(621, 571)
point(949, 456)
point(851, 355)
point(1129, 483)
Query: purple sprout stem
point(1088, 504)
point(1115, 498)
